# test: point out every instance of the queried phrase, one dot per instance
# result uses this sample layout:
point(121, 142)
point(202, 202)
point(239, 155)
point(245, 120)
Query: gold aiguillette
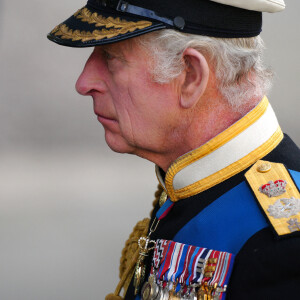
point(145, 246)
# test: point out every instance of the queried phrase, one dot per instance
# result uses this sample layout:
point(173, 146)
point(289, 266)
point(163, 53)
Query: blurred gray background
point(67, 203)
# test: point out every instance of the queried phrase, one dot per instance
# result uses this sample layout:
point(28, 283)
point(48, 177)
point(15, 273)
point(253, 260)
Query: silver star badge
point(294, 225)
point(284, 208)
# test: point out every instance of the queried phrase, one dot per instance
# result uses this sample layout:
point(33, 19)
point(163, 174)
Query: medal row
point(153, 290)
point(181, 271)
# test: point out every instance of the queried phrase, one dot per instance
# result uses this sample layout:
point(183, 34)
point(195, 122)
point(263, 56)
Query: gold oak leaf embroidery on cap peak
point(65, 33)
point(93, 18)
point(113, 27)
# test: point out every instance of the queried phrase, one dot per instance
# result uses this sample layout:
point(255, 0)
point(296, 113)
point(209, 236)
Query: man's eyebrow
point(113, 50)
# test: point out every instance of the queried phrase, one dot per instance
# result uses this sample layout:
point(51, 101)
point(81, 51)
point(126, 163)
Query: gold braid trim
point(75, 35)
point(93, 18)
point(131, 245)
point(113, 27)
point(140, 229)
point(130, 253)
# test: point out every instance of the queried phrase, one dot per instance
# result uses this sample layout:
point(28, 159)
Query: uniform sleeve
point(266, 268)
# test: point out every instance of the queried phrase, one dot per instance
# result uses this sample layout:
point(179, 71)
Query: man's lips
point(105, 119)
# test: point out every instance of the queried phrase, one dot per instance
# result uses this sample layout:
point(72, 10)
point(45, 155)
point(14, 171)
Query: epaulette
point(277, 195)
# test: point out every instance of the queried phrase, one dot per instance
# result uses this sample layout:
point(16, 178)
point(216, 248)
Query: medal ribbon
point(182, 263)
point(165, 209)
point(197, 251)
point(166, 263)
point(223, 269)
point(185, 272)
point(186, 265)
point(199, 268)
point(160, 252)
point(173, 263)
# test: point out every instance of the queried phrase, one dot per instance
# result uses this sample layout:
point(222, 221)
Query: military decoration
point(181, 271)
point(150, 289)
point(163, 198)
point(145, 246)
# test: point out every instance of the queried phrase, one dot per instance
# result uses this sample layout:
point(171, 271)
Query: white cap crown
point(271, 6)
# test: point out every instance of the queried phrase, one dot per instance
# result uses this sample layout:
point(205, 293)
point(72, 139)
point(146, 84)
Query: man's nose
point(91, 78)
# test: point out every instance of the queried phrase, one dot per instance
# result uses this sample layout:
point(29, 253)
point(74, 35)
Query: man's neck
point(209, 119)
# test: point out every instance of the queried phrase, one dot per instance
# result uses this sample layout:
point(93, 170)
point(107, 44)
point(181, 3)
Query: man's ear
point(196, 78)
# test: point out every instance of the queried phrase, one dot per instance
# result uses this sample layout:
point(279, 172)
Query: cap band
point(125, 7)
point(203, 17)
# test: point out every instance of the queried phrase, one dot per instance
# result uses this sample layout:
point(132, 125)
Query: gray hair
point(237, 62)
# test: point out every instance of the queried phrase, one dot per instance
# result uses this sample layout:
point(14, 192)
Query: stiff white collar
point(235, 149)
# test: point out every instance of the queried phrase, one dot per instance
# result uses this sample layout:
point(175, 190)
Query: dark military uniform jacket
point(218, 207)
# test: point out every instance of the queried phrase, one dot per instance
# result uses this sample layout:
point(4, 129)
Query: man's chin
point(118, 144)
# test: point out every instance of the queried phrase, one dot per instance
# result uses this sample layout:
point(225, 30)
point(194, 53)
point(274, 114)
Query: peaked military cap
point(108, 21)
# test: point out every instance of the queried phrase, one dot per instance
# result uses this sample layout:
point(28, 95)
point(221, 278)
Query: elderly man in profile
point(183, 84)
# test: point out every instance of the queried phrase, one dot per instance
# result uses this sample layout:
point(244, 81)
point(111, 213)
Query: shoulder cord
point(131, 250)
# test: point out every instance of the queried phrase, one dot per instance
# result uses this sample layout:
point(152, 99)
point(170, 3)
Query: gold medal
point(163, 198)
point(150, 289)
point(139, 276)
point(146, 291)
point(173, 295)
point(202, 292)
point(145, 245)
